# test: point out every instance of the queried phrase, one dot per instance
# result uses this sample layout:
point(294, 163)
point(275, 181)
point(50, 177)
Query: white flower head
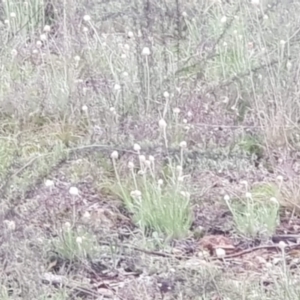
point(142, 158)
point(282, 244)
point(248, 195)
point(225, 100)
point(179, 169)
point(85, 29)
point(282, 42)
point(79, 240)
point(184, 14)
point(12, 14)
point(220, 252)
point(123, 56)
point(151, 158)
point(43, 37)
point(135, 194)
point(146, 51)
point(86, 216)
point(166, 94)
point(186, 195)
point(73, 191)
point(141, 172)
point(49, 183)
point(226, 198)
point(274, 200)
point(160, 182)
point(180, 178)
point(162, 124)
point(244, 182)
point(86, 18)
point(112, 109)
point(10, 225)
point(255, 2)
point(114, 155)
point(130, 165)
point(84, 108)
point(184, 121)
point(67, 225)
point(47, 28)
point(266, 17)
point(77, 58)
point(176, 110)
point(223, 19)
point(126, 47)
point(189, 114)
point(125, 74)
point(117, 87)
point(137, 147)
point(14, 52)
point(279, 178)
point(130, 34)
point(39, 44)
point(183, 144)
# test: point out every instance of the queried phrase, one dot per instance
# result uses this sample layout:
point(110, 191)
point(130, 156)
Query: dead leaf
point(213, 242)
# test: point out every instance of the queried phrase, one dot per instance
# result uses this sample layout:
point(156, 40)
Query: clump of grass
point(289, 193)
point(256, 214)
point(161, 205)
point(4, 294)
point(7, 149)
point(24, 16)
point(74, 245)
point(252, 145)
point(61, 295)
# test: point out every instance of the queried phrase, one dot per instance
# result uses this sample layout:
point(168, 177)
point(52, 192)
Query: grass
point(162, 205)
point(130, 133)
point(255, 215)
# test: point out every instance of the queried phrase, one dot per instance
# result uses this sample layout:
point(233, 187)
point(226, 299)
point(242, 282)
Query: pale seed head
point(223, 19)
point(86, 18)
point(162, 124)
point(47, 28)
point(74, 191)
point(114, 155)
point(183, 144)
point(142, 158)
point(130, 165)
point(49, 183)
point(166, 94)
point(136, 147)
point(176, 110)
point(43, 37)
point(146, 51)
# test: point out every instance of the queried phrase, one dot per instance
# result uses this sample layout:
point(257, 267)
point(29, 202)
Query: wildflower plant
point(74, 245)
point(256, 214)
point(157, 202)
point(24, 17)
